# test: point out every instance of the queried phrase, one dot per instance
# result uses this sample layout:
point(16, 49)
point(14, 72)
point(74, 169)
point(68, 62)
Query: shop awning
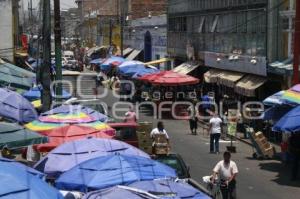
point(229, 78)
point(186, 68)
point(159, 61)
point(249, 84)
point(133, 55)
point(127, 51)
point(212, 75)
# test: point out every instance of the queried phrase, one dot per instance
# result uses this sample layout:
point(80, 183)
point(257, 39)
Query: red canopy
point(169, 78)
point(64, 134)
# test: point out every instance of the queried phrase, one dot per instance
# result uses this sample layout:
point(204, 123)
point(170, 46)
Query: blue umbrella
point(96, 61)
point(4, 161)
point(18, 183)
point(162, 189)
point(275, 99)
point(276, 112)
point(35, 94)
point(144, 71)
point(68, 109)
point(70, 154)
point(111, 170)
point(14, 106)
point(106, 65)
point(289, 122)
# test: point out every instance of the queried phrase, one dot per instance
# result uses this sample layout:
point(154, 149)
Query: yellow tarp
point(158, 61)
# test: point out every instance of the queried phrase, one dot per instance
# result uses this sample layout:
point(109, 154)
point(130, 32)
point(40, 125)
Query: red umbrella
point(170, 78)
point(64, 134)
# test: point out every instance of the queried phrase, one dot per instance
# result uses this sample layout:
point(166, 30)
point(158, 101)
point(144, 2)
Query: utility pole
point(110, 32)
point(57, 35)
point(122, 25)
point(296, 45)
point(45, 67)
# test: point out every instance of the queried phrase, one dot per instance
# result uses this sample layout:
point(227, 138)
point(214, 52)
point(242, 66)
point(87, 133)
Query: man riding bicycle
point(226, 171)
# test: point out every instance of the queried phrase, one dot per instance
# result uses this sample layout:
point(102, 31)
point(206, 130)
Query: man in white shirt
point(160, 130)
point(227, 171)
point(215, 127)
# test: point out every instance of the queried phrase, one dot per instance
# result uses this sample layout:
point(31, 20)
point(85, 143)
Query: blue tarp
point(35, 94)
point(289, 122)
point(135, 69)
point(17, 183)
point(111, 170)
point(97, 61)
point(15, 106)
point(162, 189)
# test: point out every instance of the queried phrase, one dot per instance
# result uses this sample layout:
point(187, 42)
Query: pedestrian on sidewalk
point(193, 117)
point(226, 171)
point(215, 124)
point(160, 130)
point(130, 116)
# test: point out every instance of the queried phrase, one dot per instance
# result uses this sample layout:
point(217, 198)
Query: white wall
point(6, 30)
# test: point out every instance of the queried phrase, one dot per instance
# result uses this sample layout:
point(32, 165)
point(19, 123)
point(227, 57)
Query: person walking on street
point(215, 124)
point(160, 130)
point(130, 116)
point(226, 170)
point(193, 118)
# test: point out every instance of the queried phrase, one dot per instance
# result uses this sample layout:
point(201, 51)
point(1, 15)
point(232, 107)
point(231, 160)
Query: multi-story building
point(238, 37)
point(99, 22)
point(146, 29)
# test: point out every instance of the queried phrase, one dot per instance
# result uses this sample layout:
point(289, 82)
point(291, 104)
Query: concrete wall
point(6, 30)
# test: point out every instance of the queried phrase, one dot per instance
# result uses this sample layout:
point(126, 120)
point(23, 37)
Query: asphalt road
point(267, 179)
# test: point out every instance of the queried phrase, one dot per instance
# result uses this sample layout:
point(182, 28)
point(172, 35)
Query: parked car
point(175, 161)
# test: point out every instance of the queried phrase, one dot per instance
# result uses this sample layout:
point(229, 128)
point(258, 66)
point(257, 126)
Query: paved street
point(257, 179)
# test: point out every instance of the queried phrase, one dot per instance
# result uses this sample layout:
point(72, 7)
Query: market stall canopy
point(275, 113)
point(162, 188)
point(97, 61)
point(229, 78)
point(11, 75)
point(35, 94)
point(130, 68)
point(113, 60)
point(144, 71)
point(22, 167)
point(69, 133)
point(186, 68)
point(70, 154)
point(212, 75)
point(14, 106)
point(14, 136)
point(111, 170)
point(159, 61)
point(289, 122)
point(133, 55)
point(248, 85)
point(71, 109)
point(275, 99)
point(292, 95)
point(169, 78)
point(18, 183)
point(94, 50)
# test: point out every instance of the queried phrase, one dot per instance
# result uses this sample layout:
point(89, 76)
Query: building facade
point(225, 34)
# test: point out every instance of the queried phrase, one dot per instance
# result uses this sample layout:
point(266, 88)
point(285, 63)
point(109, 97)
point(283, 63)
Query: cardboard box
point(162, 150)
point(145, 127)
point(143, 136)
point(160, 138)
point(259, 135)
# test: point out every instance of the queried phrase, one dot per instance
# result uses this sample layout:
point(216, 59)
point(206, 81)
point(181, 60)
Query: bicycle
point(213, 187)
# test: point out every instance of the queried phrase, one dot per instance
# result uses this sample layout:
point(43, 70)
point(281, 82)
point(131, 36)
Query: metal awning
point(133, 55)
point(229, 78)
point(127, 51)
point(186, 68)
point(212, 75)
point(249, 84)
point(159, 61)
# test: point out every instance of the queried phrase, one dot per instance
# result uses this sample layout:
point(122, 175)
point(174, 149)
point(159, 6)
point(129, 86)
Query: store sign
point(236, 62)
